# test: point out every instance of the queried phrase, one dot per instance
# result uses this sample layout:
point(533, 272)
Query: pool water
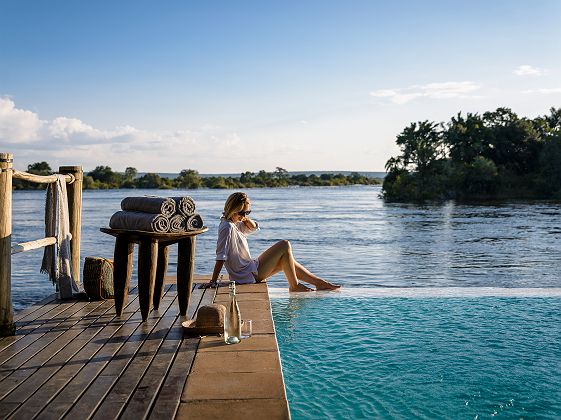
point(454, 357)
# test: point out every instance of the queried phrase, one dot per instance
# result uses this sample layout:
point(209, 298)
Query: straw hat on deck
point(209, 320)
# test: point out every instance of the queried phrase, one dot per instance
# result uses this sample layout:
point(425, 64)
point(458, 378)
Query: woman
point(232, 250)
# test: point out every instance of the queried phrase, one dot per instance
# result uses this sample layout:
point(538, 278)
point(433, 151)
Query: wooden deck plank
point(46, 312)
point(87, 366)
point(150, 371)
point(80, 360)
point(115, 402)
point(245, 289)
point(45, 364)
point(271, 409)
point(41, 397)
point(145, 393)
point(18, 356)
point(35, 307)
point(247, 375)
point(32, 324)
point(161, 386)
point(98, 389)
point(106, 348)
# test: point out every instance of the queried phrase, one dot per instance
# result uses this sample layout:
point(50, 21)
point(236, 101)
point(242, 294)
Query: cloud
point(443, 90)
point(17, 125)
point(527, 70)
point(543, 91)
point(65, 140)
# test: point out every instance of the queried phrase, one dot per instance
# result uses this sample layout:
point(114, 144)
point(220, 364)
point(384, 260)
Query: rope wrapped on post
point(41, 179)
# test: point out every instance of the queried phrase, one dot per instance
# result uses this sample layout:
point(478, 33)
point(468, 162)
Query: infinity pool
point(390, 357)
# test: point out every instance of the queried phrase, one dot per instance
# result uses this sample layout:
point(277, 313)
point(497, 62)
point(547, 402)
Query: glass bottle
point(232, 321)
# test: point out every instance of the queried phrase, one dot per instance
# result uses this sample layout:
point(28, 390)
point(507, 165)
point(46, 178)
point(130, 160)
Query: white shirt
point(233, 249)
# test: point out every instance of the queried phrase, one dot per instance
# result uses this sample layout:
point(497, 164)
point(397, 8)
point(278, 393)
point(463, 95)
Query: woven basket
point(98, 278)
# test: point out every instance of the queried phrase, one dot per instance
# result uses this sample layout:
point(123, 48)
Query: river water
point(345, 234)
point(446, 311)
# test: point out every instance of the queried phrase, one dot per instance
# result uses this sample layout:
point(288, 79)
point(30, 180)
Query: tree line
point(495, 155)
point(103, 177)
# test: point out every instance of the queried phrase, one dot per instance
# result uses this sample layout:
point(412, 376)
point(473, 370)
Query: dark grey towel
point(154, 205)
point(185, 205)
point(194, 222)
point(132, 220)
point(177, 223)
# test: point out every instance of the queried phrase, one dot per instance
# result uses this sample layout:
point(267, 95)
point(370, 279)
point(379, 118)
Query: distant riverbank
point(103, 177)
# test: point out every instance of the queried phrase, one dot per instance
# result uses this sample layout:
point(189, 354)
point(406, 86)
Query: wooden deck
point(76, 359)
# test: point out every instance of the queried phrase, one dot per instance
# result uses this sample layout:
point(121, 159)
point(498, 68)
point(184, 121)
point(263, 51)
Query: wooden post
point(185, 267)
point(147, 262)
point(7, 326)
point(75, 209)
point(122, 270)
point(161, 269)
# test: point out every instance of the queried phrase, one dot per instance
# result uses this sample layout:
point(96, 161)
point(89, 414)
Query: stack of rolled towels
point(157, 214)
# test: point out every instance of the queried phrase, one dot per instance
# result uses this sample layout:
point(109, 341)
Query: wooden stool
point(152, 265)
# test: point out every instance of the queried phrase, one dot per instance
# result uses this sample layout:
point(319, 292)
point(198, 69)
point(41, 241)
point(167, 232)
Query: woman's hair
point(236, 202)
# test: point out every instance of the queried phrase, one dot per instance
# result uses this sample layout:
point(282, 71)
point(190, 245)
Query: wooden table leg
point(185, 267)
point(147, 261)
point(122, 269)
point(163, 252)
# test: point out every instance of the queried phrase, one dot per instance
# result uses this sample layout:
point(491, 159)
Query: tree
point(554, 120)
point(128, 180)
point(549, 179)
point(281, 173)
point(216, 182)
point(39, 168)
point(188, 178)
point(514, 143)
point(481, 176)
point(105, 175)
point(421, 146)
point(466, 137)
point(263, 178)
point(152, 180)
point(246, 178)
point(130, 173)
point(475, 156)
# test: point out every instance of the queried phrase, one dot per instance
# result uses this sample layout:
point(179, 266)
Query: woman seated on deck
point(232, 250)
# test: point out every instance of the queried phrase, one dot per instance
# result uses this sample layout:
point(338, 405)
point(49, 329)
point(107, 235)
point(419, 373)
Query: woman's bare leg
point(280, 256)
point(304, 274)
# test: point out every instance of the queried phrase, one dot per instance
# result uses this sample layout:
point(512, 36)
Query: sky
point(234, 86)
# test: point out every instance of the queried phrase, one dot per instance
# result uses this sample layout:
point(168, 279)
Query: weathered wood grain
point(81, 360)
point(37, 370)
point(7, 325)
point(160, 389)
point(116, 363)
point(161, 269)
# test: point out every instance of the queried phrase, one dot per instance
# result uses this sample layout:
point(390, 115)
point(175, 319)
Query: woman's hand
point(249, 223)
point(215, 275)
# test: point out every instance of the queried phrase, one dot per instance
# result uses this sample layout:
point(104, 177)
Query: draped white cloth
point(57, 258)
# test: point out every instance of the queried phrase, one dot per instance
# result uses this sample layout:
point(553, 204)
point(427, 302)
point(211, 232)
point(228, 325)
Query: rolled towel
point(194, 222)
point(177, 223)
point(132, 220)
point(154, 205)
point(185, 206)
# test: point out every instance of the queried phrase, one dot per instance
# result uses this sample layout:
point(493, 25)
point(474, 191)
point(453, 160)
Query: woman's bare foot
point(328, 286)
point(300, 288)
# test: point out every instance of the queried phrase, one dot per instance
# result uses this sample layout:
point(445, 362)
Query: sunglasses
point(244, 213)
